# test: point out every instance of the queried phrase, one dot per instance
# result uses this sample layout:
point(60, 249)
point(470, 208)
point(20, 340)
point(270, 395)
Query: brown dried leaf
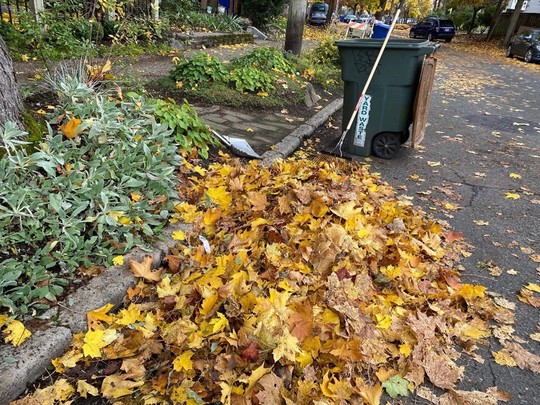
point(491, 397)
point(441, 371)
point(144, 269)
point(524, 359)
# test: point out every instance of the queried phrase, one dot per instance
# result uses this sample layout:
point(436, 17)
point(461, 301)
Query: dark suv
point(434, 28)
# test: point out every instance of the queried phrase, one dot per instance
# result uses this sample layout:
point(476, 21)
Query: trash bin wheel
point(386, 144)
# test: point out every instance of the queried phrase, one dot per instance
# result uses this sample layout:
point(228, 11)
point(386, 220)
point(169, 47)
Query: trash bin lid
point(398, 43)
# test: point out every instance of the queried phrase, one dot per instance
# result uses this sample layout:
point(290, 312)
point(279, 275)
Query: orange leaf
point(70, 128)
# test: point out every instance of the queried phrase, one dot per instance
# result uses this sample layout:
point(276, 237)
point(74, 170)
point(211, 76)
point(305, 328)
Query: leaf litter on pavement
point(303, 282)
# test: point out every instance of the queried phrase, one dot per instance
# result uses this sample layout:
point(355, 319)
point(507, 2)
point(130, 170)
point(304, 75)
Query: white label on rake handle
point(361, 122)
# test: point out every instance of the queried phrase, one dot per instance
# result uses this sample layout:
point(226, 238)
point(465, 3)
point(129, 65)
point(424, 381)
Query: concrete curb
point(21, 366)
point(291, 142)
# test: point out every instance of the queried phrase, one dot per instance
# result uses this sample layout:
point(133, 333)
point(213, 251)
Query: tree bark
point(473, 20)
point(495, 20)
point(513, 23)
point(295, 26)
point(331, 9)
point(11, 105)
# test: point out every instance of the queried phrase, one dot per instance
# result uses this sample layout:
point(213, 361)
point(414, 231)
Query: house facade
point(529, 6)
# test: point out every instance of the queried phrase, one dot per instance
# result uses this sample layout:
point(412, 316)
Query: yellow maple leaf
point(96, 316)
point(208, 304)
point(383, 321)
point(211, 216)
point(83, 388)
point(287, 347)
point(515, 176)
point(512, 196)
point(118, 260)
point(533, 287)
point(94, 340)
point(3, 319)
point(472, 291)
point(474, 332)
point(346, 210)
point(504, 358)
point(149, 327)
point(179, 235)
point(16, 333)
point(129, 316)
point(59, 392)
point(188, 212)
point(67, 360)
point(144, 269)
point(391, 271)
point(183, 362)
point(70, 128)
point(220, 195)
point(255, 376)
point(405, 349)
point(304, 358)
point(116, 386)
point(220, 323)
point(164, 288)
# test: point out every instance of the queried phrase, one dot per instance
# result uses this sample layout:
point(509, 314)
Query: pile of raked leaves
point(304, 282)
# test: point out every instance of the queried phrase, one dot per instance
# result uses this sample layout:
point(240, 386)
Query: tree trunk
point(295, 26)
point(330, 12)
point(495, 20)
point(513, 23)
point(473, 20)
point(11, 104)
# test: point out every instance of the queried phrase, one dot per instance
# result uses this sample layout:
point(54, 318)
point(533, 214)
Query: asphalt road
point(482, 142)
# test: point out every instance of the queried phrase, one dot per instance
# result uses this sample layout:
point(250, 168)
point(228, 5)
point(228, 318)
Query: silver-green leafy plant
point(79, 200)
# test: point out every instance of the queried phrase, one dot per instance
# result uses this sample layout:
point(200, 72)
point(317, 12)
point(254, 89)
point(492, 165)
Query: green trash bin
point(383, 120)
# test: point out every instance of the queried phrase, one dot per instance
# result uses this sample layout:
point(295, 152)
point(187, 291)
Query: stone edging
point(29, 361)
point(292, 141)
point(20, 366)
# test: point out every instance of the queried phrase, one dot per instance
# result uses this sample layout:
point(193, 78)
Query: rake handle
point(372, 73)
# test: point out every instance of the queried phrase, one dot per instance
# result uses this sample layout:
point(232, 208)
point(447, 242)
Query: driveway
point(478, 168)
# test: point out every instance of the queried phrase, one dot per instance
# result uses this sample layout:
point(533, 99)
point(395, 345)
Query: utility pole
point(513, 22)
point(295, 26)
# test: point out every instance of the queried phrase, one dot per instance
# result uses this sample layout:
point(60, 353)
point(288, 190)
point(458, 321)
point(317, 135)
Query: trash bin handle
point(434, 46)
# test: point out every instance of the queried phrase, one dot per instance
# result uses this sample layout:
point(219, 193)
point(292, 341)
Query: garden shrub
point(188, 130)
point(326, 53)
point(60, 35)
point(251, 79)
point(101, 181)
point(199, 68)
point(197, 21)
point(267, 59)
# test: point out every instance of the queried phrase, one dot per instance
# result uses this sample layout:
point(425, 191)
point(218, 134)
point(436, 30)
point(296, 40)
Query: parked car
point(525, 45)
point(434, 28)
point(363, 19)
point(349, 18)
point(317, 14)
